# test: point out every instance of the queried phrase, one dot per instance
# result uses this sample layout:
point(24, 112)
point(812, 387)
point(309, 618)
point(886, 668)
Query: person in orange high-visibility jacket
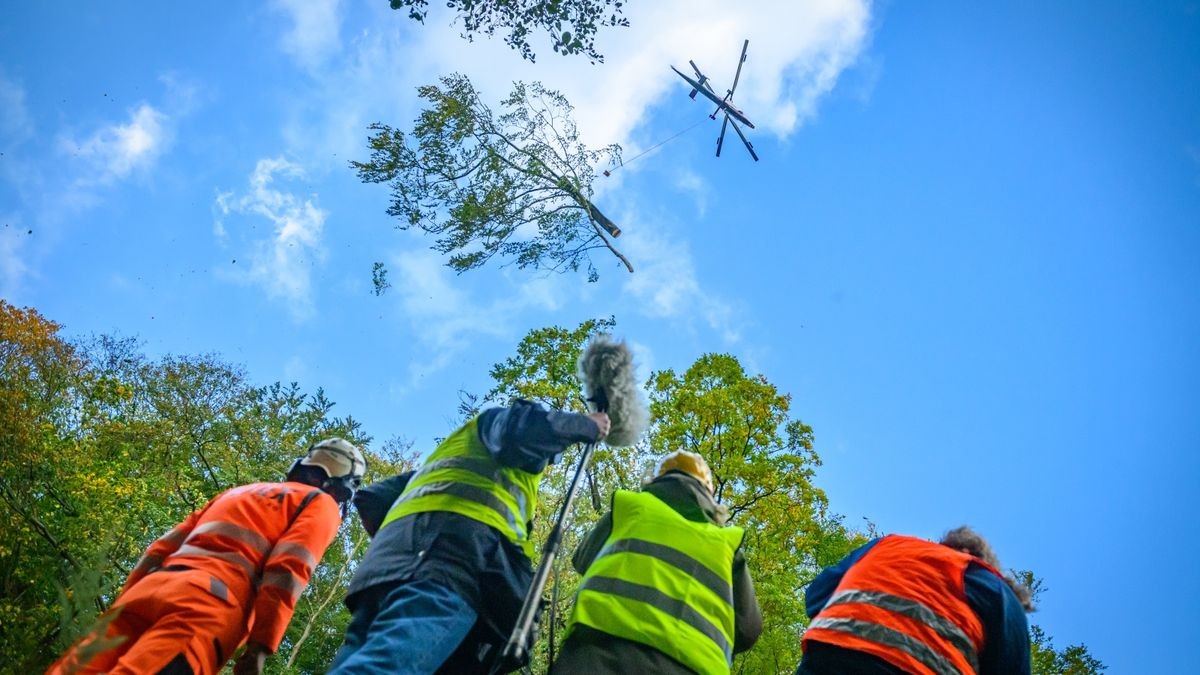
point(229, 574)
point(906, 605)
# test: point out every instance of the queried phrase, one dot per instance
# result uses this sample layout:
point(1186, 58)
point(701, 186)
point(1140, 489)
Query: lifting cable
point(609, 172)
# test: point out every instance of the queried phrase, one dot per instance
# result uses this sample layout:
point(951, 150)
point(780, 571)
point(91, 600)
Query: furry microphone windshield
point(606, 368)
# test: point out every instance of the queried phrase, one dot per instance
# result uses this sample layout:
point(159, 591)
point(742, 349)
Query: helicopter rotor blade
point(749, 147)
point(738, 74)
point(721, 138)
point(703, 79)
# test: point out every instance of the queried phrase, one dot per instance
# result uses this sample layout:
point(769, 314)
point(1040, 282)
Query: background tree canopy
point(106, 449)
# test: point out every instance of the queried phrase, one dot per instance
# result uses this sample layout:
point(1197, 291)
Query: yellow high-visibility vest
point(664, 581)
point(461, 477)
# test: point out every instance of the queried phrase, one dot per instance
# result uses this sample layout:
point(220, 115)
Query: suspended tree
point(517, 186)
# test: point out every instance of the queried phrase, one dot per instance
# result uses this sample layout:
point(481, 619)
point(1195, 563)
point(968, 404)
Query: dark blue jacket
point(1005, 628)
point(475, 561)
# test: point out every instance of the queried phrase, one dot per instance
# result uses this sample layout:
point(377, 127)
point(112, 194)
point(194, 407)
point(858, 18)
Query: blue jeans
point(409, 629)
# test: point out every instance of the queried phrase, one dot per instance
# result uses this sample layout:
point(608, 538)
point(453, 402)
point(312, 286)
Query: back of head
point(342, 463)
point(689, 463)
point(972, 543)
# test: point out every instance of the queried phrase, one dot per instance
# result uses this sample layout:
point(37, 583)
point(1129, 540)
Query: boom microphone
point(610, 382)
point(606, 368)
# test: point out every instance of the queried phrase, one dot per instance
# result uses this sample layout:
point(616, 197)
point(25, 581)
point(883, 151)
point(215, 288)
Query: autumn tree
point(571, 24)
point(106, 449)
point(517, 186)
point(38, 371)
point(763, 466)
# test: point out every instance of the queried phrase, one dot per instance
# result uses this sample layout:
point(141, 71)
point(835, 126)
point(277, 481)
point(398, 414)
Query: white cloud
point(797, 52)
point(281, 263)
point(296, 369)
point(446, 317)
point(115, 151)
point(16, 127)
point(15, 123)
point(182, 94)
point(665, 285)
point(13, 267)
point(313, 34)
point(643, 359)
point(690, 182)
point(50, 192)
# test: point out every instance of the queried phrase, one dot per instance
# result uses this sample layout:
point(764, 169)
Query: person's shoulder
point(985, 588)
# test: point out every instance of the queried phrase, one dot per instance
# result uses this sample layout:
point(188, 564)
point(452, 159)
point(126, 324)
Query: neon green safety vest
point(461, 477)
point(663, 581)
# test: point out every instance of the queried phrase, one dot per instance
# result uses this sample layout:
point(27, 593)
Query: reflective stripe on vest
point(913, 610)
point(488, 469)
point(228, 556)
point(883, 635)
point(905, 602)
point(254, 540)
point(470, 493)
point(294, 550)
point(665, 582)
point(461, 477)
point(663, 603)
point(245, 544)
point(291, 585)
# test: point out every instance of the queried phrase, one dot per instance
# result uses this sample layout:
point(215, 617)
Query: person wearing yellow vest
point(451, 557)
point(906, 605)
point(665, 586)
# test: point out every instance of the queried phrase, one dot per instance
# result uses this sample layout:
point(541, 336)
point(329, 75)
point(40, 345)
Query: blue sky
point(969, 251)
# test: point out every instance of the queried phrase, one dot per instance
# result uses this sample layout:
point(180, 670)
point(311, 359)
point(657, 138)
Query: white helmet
point(339, 457)
point(343, 463)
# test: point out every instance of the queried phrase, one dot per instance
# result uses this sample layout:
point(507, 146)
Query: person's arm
point(1005, 628)
point(375, 500)
point(747, 617)
point(589, 548)
point(162, 547)
point(821, 588)
point(288, 568)
point(528, 436)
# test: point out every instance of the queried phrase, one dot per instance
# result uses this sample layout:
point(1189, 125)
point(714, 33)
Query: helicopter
point(724, 104)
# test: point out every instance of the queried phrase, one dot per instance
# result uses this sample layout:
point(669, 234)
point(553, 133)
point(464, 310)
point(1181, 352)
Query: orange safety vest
point(904, 602)
point(260, 542)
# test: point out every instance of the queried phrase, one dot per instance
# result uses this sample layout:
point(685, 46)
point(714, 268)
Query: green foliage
point(517, 186)
point(571, 24)
point(379, 281)
point(543, 369)
point(1071, 660)
point(79, 600)
point(761, 457)
point(763, 465)
point(105, 450)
